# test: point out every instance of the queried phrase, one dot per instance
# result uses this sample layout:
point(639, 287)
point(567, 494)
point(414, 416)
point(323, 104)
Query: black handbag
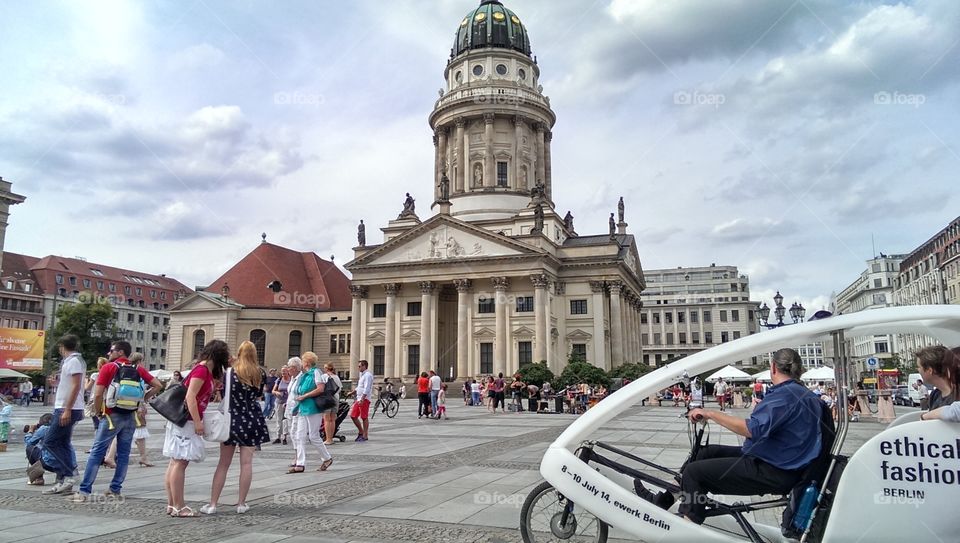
point(172, 404)
point(328, 398)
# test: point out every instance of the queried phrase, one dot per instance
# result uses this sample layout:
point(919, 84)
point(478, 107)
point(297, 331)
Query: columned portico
point(463, 337)
point(540, 308)
point(500, 286)
point(392, 363)
point(426, 325)
point(357, 293)
point(616, 324)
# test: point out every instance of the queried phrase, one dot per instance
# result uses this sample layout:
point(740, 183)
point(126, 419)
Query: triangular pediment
point(578, 334)
point(441, 239)
point(411, 334)
point(375, 335)
point(523, 331)
point(485, 333)
point(204, 301)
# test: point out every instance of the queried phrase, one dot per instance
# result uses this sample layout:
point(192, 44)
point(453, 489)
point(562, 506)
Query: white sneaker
point(209, 509)
point(55, 489)
point(67, 485)
point(242, 508)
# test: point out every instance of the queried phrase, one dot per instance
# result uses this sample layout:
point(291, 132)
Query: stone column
point(463, 172)
point(464, 300)
point(599, 345)
point(426, 325)
point(627, 326)
point(441, 157)
point(489, 163)
point(436, 165)
point(546, 166)
point(639, 336)
point(519, 184)
point(357, 345)
point(500, 286)
point(616, 324)
point(541, 169)
point(540, 300)
point(392, 364)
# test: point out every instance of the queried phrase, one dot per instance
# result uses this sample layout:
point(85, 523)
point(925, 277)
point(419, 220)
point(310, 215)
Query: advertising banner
point(21, 349)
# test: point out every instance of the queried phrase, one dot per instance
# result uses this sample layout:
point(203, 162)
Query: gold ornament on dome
point(515, 19)
point(465, 21)
point(480, 17)
point(499, 16)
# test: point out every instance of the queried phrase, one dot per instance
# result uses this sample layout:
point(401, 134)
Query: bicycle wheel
point(393, 406)
point(542, 513)
point(375, 408)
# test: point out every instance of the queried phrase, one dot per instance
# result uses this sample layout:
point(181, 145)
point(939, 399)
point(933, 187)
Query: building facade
point(687, 310)
point(873, 289)
point(925, 277)
point(286, 302)
point(497, 278)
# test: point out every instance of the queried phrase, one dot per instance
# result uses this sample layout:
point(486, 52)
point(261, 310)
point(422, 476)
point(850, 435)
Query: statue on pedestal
point(620, 209)
point(537, 220)
point(362, 234)
point(613, 227)
point(444, 188)
point(568, 222)
point(409, 206)
point(538, 193)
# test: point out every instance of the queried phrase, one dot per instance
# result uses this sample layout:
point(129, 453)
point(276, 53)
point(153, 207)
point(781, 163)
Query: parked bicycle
point(387, 402)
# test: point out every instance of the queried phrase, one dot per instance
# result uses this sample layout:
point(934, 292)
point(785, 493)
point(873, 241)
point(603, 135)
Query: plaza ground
point(462, 479)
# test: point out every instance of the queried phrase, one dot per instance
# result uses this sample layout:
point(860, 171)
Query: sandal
point(326, 464)
point(296, 469)
point(170, 510)
point(185, 512)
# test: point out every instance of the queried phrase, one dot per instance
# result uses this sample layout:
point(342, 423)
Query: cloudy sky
point(778, 136)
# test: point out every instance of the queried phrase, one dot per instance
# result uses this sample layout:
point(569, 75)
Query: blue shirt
point(785, 427)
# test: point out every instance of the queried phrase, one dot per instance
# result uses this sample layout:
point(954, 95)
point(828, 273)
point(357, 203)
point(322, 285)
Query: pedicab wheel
point(541, 519)
point(392, 408)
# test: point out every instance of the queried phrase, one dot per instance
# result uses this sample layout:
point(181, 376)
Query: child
point(442, 402)
point(33, 439)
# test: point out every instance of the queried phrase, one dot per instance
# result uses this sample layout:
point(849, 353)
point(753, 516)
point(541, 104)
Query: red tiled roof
point(308, 281)
point(46, 269)
point(18, 267)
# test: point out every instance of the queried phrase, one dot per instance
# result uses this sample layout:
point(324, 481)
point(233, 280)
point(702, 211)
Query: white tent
point(163, 375)
point(762, 376)
point(823, 373)
point(729, 373)
point(7, 373)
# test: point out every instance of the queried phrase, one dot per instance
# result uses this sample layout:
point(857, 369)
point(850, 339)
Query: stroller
point(342, 411)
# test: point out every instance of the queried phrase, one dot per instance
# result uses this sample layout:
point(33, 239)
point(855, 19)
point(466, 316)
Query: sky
point(788, 138)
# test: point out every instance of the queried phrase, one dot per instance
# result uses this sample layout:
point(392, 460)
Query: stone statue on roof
point(538, 192)
point(613, 226)
point(444, 188)
point(537, 219)
point(568, 222)
point(409, 206)
point(620, 209)
point(362, 234)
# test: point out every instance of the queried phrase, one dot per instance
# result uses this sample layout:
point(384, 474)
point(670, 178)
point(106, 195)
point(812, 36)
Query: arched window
point(199, 340)
point(296, 340)
point(259, 339)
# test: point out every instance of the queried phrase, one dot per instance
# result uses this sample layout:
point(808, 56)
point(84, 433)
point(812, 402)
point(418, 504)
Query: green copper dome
point(491, 25)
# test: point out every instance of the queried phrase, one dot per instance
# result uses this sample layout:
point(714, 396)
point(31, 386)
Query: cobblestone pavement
point(462, 479)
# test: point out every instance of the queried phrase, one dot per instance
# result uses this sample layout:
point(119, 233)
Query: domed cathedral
point(493, 277)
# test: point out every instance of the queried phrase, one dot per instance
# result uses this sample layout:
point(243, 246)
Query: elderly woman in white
point(295, 367)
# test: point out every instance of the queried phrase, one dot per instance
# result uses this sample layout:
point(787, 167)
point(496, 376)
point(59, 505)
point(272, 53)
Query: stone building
point(497, 277)
point(286, 302)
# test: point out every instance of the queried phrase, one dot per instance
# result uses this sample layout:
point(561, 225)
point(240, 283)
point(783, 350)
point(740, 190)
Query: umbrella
point(823, 373)
point(163, 375)
point(7, 373)
point(729, 373)
point(762, 376)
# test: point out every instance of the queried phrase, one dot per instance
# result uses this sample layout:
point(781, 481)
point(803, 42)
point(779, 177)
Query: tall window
point(681, 316)
point(696, 337)
point(199, 339)
point(379, 311)
point(378, 358)
point(259, 339)
point(669, 338)
point(501, 174)
point(693, 315)
point(723, 316)
point(683, 338)
point(724, 337)
point(333, 344)
point(578, 351)
point(524, 304)
point(413, 359)
point(708, 337)
point(656, 338)
point(486, 305)
point(735, 315)
point(294, 343)
point(707, 317)
point(578, 307)
point(525, 352)
point(413, 309)
point(669, 317)
point(643, 318)
point(656, 318)
point(486, 358)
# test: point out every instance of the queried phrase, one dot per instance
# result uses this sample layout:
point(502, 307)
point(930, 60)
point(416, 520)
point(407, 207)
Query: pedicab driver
point(783, 437)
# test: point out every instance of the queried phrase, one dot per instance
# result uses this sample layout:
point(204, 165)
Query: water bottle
point(807, 504)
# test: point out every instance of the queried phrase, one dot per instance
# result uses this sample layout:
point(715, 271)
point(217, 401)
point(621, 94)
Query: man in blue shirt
point(782, 438)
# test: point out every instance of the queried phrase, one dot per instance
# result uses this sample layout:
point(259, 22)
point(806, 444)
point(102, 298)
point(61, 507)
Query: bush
point(536, 374)
point(630, 371)
point(581, 372)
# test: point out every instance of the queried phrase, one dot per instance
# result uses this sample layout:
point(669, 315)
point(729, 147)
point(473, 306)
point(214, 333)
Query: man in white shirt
point(67, 412)
point(360, 411)
point(435, 384)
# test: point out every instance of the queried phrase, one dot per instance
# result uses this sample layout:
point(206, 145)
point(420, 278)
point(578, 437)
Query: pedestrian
point(475, 392)
point(435, 387)
point(176, 379)
point(123, 384)
point(491, 395)
point(67, 412)
point(467, 395)
point(294, 366)
point(516, 389)
point(719, 390)
point(423, 394)
point(308, 415)
point(185, 445)
point(499, 385)
point(280, 389)
point(248, 427)
point(26, 389)
point(331, 379)
point(268, 398)
point(141, 430)
point(442, 402)
point(88, 387)
point(360, 412)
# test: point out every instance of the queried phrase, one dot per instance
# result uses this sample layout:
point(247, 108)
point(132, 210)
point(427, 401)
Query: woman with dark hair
point(423, 394)
point(951, 412)
point(937, 368)
point(185, 445)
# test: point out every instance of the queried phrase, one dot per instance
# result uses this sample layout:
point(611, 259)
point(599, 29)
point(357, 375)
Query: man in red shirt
point(119, 423)
point(423, 393)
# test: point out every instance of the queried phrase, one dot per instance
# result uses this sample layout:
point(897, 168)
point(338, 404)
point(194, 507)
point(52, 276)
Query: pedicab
point(900, 484)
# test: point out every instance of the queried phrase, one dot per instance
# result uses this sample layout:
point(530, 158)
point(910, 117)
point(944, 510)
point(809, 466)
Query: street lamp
point(797, 312)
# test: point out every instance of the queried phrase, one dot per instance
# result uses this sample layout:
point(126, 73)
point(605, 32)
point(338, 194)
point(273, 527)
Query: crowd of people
point(304, 399)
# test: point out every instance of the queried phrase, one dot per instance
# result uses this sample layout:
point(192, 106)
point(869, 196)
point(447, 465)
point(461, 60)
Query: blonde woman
point(88, 388)
point(309, 386)
point(330, 379)
point(248, 429)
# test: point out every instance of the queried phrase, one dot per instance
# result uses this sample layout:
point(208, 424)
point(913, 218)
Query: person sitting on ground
point(782, 438)
point(33, 440)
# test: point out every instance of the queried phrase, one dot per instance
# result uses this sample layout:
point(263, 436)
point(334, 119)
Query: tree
point(91, 320)
point(536, 373)
point(582, 372)
point(630, 371)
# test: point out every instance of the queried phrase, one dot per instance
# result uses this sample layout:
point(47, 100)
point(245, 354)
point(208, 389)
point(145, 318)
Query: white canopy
point(762, 376)
point(7, 373)
point(729, 373)
point(163, 375)
point(823, 373)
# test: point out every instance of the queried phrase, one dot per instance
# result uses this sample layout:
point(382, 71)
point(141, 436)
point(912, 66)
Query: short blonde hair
point(309, 358)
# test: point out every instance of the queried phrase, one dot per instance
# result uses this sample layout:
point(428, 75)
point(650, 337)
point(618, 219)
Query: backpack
point(127, 389)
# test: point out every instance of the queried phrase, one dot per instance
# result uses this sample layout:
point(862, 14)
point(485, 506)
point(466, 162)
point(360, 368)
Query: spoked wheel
point(542, 519)
point(393, 407)
point(374, 409)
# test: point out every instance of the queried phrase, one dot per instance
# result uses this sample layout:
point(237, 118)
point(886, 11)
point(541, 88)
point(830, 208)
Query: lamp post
point(797, 312)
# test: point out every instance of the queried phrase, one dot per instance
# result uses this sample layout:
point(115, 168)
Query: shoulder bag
point(216, 423)
point(326, 399)
point(171, 404)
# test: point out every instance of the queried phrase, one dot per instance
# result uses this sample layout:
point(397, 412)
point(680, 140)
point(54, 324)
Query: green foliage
point(91, 320)
point(536, 373)
point(630, 371)
point(582, 372)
